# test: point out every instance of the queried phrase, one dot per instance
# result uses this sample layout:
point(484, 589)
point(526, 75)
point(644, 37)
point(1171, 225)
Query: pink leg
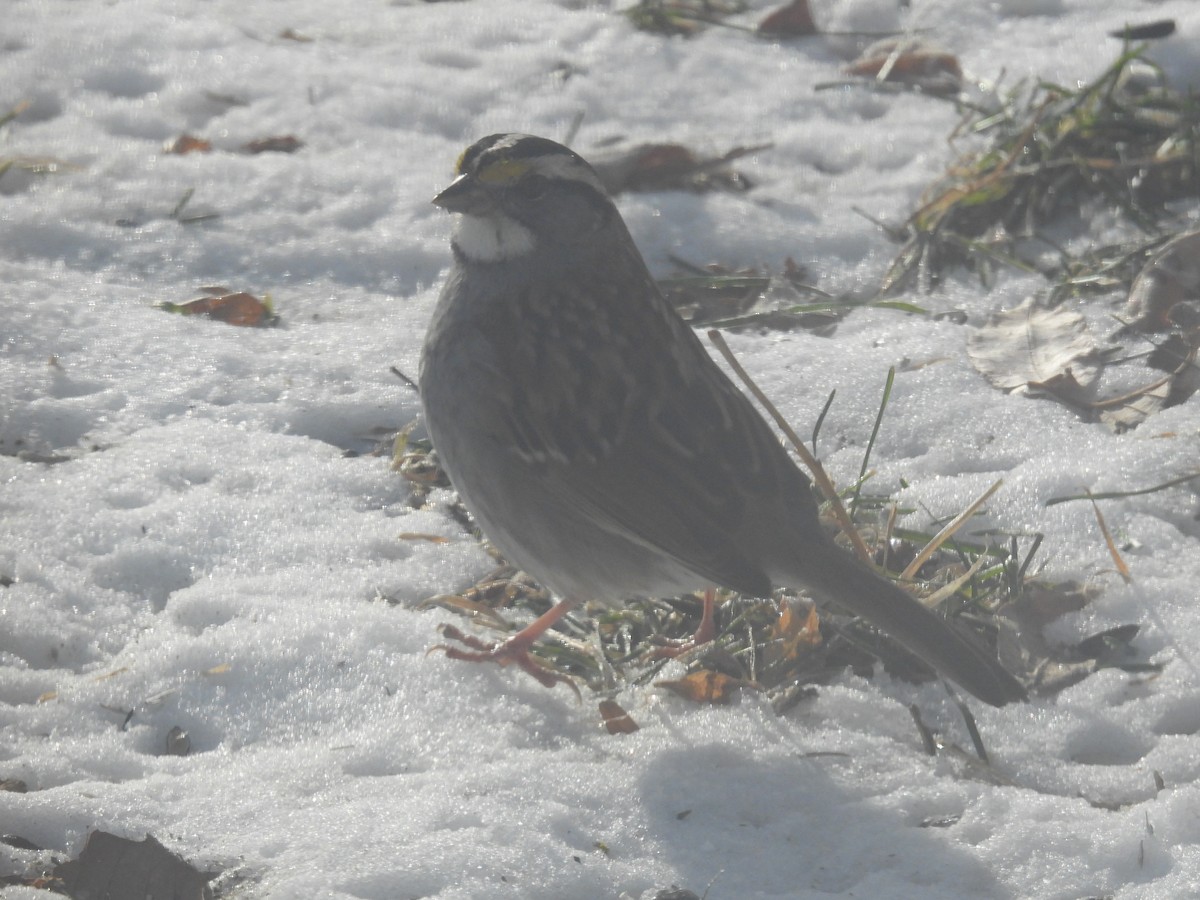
point(706, 631)
point(514, 650)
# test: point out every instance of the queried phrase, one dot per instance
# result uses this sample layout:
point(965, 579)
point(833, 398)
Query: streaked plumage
point(593, 438)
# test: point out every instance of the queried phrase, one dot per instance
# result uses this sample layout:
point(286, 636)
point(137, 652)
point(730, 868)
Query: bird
point(598, 445)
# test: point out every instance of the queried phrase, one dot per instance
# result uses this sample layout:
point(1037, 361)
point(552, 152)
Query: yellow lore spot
point(504, 171)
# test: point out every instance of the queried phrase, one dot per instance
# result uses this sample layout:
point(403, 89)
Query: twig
point(1116, 495)
point(942, 536)
point(1127, 577)
point(814, 465)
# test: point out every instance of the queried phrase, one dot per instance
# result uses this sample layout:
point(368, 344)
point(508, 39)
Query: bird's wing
point(676, 459)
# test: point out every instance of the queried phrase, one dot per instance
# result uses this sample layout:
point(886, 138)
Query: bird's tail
point(840, 577)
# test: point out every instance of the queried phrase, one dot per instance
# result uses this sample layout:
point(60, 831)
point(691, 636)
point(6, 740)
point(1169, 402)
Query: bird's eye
point(532, 187)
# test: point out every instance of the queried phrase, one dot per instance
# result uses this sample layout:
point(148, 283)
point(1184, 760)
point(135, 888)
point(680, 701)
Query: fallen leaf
point(1171, 277)
point(286, 143)
point(705, 686)
point(795, 19)
point(1032, 348)
point(908, 61)
point(235, 309)
point(616, 720)
point(1147, 31)
point(668, 167)
point(1042, 602)
point(1136, 407)
point(188, 143)
point(795, 631)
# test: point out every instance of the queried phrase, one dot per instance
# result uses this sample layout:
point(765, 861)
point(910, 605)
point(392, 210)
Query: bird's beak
point(464, 195)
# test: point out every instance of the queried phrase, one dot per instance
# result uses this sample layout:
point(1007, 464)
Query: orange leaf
point(236, 309)
point(188, 143)
point(793, 632)
point(703, 686)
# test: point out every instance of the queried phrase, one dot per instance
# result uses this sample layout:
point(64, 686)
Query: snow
point(211, 557)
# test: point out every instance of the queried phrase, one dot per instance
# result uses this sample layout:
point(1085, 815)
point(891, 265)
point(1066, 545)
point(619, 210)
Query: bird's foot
point(706, 632)
point(514, 651)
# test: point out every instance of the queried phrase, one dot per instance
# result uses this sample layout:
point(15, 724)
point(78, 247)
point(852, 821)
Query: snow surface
point(211, 558)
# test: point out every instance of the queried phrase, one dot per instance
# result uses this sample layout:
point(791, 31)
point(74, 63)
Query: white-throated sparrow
point(593, 438)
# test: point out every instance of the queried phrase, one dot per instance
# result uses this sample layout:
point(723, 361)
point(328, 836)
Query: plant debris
point(1034, 348)
point(281, 143)
point(1147, 31)
point(1165, 295)
point(793, 20)
point(234, 309)
point(669, 167)
point(705, 686)
point(912, 62)
point(1048, 351)
point(681, 17)
point(740, 299)
point(616, 720)
point(188, 143)
point(1127, 139)
point(784, 646)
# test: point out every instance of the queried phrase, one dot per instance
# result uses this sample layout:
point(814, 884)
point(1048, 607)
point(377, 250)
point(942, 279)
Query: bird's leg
point(706, 631)
point(514, 650)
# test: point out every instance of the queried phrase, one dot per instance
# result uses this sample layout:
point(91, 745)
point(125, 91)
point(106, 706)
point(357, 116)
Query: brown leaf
point(188, 143)
point(667, 167)
point(616, 720)
point(791, 20)
point(285, 143)
point(235, 309)
point(910, 62)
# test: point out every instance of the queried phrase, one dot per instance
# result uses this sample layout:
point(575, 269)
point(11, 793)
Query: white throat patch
point(492, 239)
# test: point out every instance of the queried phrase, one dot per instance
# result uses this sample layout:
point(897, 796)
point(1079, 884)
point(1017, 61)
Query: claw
point(706, 632)
point(513, 651)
